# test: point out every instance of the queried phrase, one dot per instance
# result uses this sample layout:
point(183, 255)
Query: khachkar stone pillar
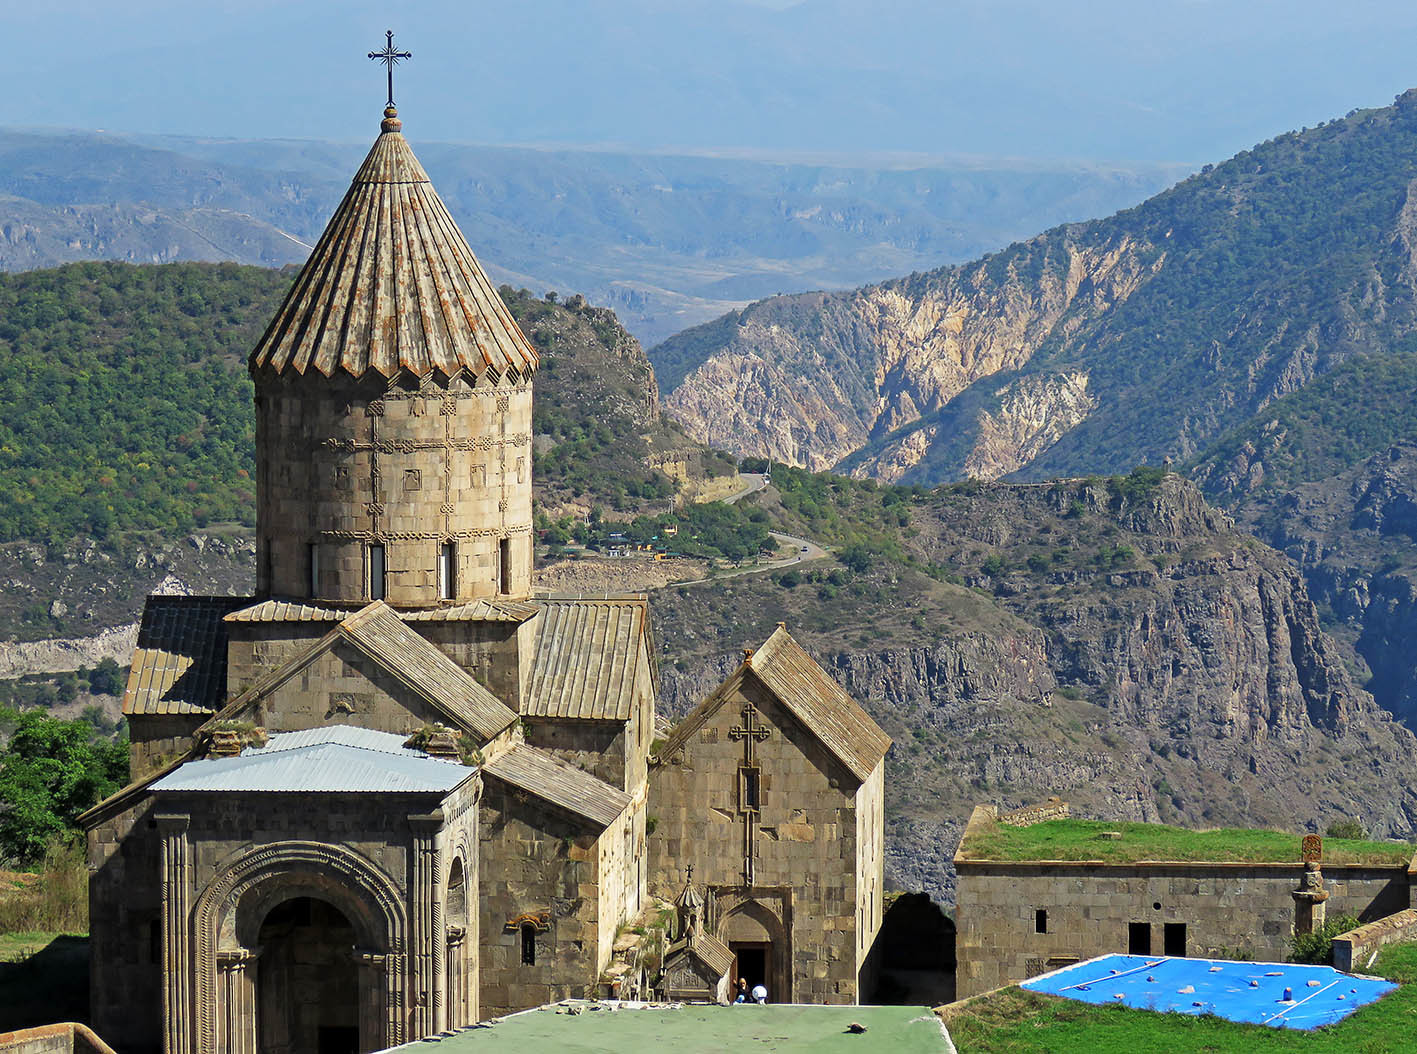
point(176, 877)
point(1309, 898)
point(393, 409)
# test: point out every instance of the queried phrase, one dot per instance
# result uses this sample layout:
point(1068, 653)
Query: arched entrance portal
point(307, 991)
point(756, 938)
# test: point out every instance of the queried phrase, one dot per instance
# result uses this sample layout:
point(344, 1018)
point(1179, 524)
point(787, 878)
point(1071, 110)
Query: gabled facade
point(772, 790)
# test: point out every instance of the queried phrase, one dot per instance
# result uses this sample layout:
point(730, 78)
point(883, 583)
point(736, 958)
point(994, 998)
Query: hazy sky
point(1189, 80)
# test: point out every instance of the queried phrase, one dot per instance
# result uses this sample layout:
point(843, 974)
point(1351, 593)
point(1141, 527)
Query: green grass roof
point(696, 1029)
point(1085, 840)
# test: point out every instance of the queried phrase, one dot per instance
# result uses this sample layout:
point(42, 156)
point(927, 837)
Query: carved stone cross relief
point(749, 784)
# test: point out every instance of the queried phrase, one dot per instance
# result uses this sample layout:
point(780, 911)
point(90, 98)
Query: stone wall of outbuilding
point(540, 865)
point(1228, 909)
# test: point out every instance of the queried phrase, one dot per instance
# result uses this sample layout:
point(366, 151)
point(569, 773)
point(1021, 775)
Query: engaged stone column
point(236, 1006)
point(428, 940)
point(176, 946)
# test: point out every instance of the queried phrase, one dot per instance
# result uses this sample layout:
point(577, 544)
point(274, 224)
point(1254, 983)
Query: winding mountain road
point(798, 550)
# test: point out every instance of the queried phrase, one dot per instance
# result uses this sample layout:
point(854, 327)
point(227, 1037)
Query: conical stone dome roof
point(392, 285)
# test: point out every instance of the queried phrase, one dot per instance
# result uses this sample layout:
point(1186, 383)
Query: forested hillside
point(1098, 346)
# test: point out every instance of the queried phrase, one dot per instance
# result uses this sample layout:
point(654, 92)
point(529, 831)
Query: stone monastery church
point(393, 793)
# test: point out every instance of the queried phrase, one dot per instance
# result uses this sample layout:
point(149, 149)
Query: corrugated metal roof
point(542, 775)
point(378, 632)
point(179, 664)
point(392, 285)
point(587, 658)
point(484, 610)
point(805, 689)
point(338, 759)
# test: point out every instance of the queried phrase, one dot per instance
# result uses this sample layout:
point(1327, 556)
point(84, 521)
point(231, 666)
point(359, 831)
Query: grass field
point(1084, 840)
point(1013, 1021)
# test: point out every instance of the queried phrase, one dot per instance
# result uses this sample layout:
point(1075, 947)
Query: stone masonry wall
point(535, 860)
point(1227, 909)
point(804, 837)
point(343, 464)
point(344, 686)
point(125, 949)
point(870, 866)
point(598, 747)
point(156, 739)
point(621, 870)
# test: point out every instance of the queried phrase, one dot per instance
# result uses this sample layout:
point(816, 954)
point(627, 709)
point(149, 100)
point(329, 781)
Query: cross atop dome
point(390, 58)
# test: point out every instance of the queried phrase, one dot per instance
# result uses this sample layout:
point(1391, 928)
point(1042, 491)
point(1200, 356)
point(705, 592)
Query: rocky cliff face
point(1143, 659)
point(1182, 317)
point(1354, 536)
point(808, 380)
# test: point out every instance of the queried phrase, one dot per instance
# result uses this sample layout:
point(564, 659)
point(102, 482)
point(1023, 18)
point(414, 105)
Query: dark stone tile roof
point(179, 665)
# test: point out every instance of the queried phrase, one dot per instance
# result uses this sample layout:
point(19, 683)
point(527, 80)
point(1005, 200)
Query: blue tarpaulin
point(1281, 995)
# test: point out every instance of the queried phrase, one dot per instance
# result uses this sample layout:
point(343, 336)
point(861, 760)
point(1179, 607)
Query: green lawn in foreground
point(1082, 840)
point(44, 978)
point(1015, 1021)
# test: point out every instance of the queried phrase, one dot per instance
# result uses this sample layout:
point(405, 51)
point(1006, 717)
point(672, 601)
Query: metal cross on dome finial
point(390, 58)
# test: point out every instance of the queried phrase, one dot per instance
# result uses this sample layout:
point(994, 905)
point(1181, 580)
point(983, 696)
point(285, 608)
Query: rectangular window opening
point(1174, 935)
point(1138, 938)
point(1040, 921)
point(504, 566)
point(528, 945)
point(313, 555)
point(749, 789)
point(376, 572)
point(447, 571)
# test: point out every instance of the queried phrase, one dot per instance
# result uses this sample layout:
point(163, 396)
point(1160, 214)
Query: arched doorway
point(755, 937)
point(307, 991)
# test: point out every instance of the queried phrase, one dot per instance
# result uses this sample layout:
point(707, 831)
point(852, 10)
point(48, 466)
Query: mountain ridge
point(1162, 326)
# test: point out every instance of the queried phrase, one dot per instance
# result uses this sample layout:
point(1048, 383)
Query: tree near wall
point(51, 771)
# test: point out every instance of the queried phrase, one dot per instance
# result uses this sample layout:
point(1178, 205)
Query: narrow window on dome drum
point(504, 566)
point(447, 571)
point(376, 572)
point(313, 552)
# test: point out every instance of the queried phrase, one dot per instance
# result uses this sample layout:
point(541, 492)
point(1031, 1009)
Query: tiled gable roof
point(378, 632)
point(179, 664)
point(822, 706)
point(587, 660)
point(552, 780)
